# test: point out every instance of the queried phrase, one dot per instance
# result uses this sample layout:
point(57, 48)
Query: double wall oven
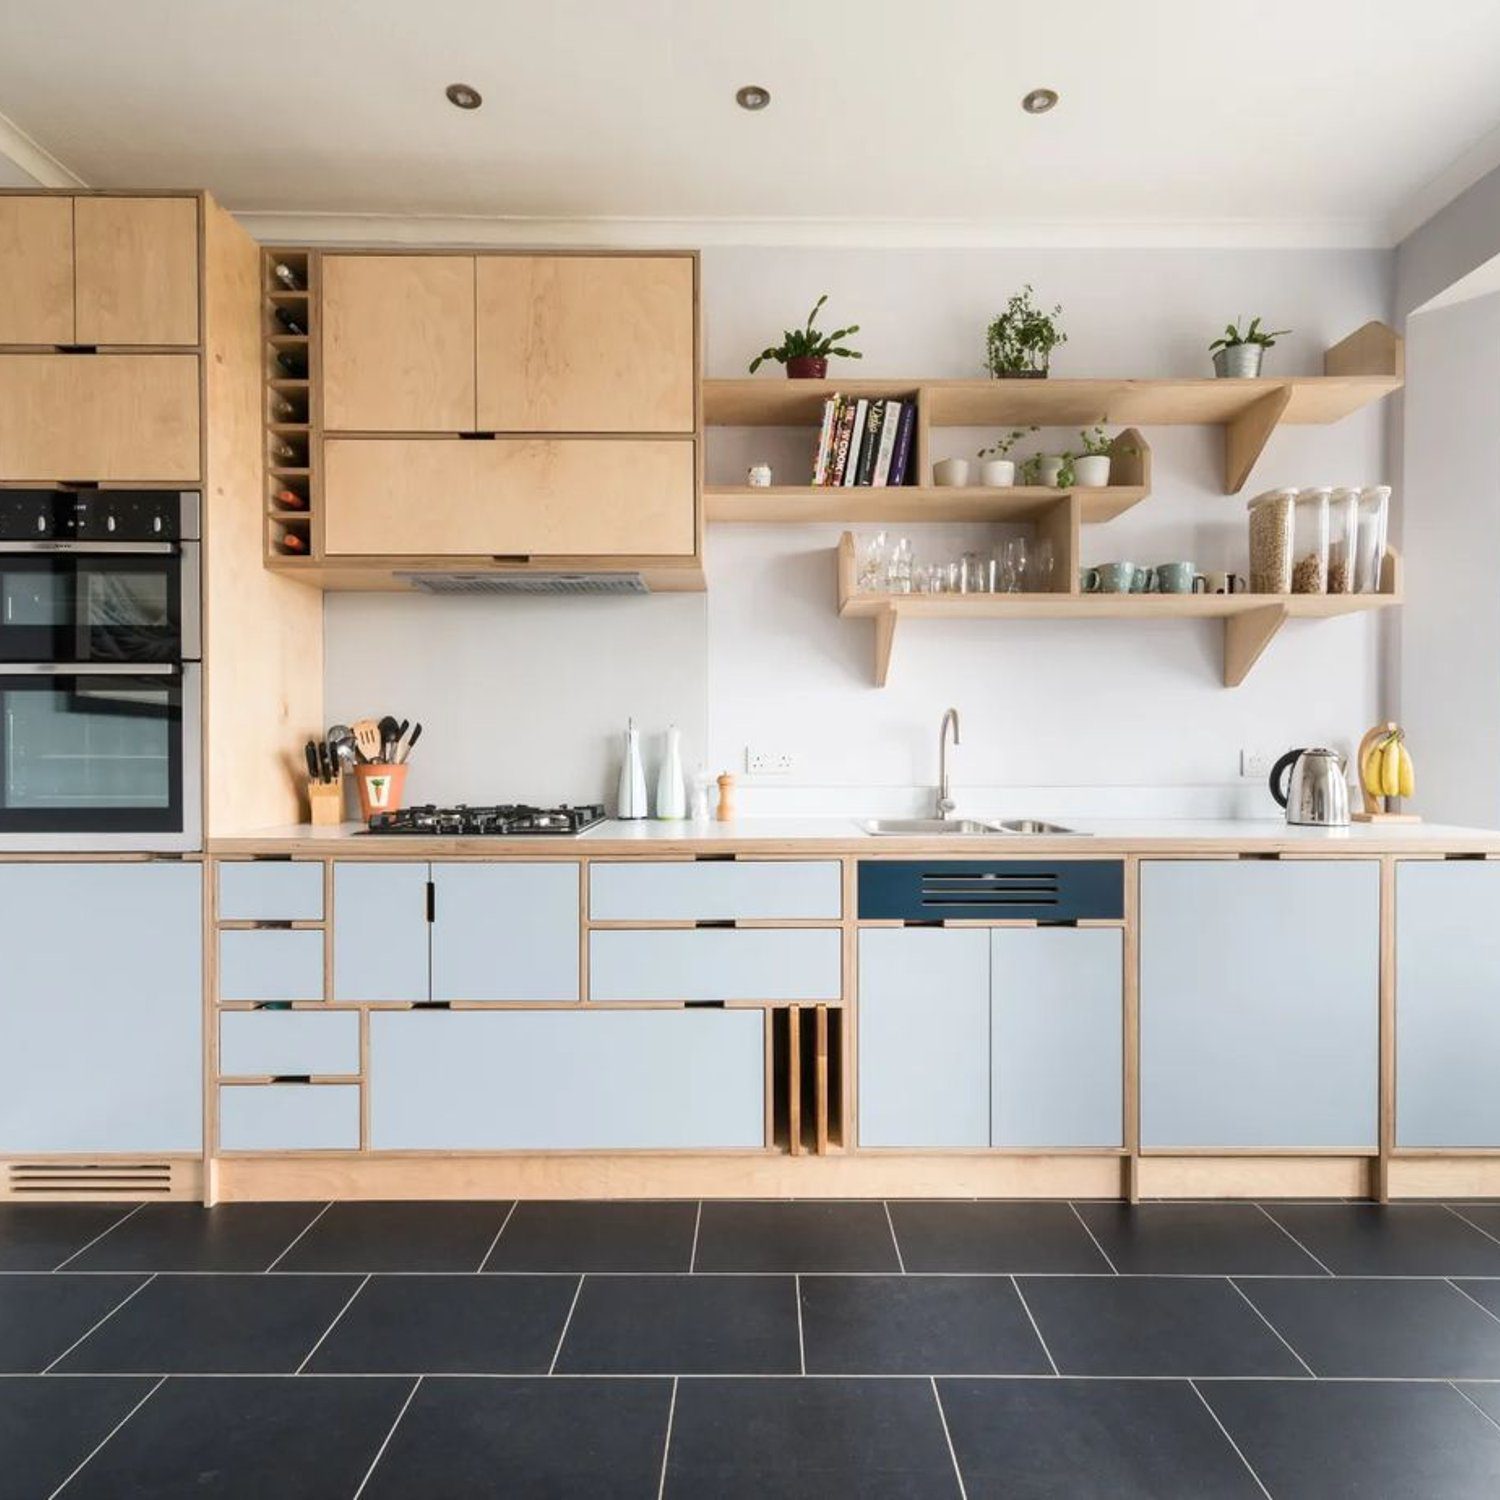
point(100, 670)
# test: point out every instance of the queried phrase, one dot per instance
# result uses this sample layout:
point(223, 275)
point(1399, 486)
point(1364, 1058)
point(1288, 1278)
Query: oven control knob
point(109, 524)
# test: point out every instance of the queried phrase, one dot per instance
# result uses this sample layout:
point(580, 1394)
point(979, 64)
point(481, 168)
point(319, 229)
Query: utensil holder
point(325, 803)
point(380, 788)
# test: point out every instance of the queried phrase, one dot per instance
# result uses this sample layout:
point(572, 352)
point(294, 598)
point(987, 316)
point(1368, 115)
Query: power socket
point(1255, 765)
point(768, 762)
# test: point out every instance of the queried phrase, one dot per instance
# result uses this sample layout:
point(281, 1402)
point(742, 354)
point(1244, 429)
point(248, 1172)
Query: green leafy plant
point(1096, 443)
point(1254, 334)
point(1030, 470)
point(1003, 444)
point(1020, 340)
point(808, 342)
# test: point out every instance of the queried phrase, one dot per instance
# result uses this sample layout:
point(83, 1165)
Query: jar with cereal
point(1271, 542)
point(1343, 539)
point(1310, 541)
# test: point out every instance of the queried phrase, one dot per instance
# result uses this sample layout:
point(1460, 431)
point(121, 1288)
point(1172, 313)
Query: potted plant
point(1019, 342)
point(805, 351)
point(996, 471)
point(951, 472)
point(1091, 466)
point(1052, 469)
point(1238, 355)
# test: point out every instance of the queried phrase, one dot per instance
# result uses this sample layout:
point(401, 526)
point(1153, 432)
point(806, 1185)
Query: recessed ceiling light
point(752, 97)
point(464, 96)
point(1039, 101)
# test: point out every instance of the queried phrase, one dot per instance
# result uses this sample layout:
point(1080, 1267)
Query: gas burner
point(507, 820)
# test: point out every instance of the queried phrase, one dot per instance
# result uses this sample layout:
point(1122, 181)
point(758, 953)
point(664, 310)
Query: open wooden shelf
point(1363, 368)
point(1250, 620)
point(909, 503)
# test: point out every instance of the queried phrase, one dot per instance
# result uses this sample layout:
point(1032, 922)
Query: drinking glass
point(1039, 567)
point(973, 576)
point(872, 566)
point(898, 568)
point(1012, 564)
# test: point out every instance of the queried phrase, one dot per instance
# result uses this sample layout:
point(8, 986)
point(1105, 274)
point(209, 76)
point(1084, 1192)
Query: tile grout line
point(666, 1447)
point(110, 1230)
point(891, 1224)
point(567, 1323)
point(93, 1452)
point(1026, 1308)
point(693, 1257)
point(1475, 1300)
point(297, 1238)
point(380, 1451)
point(1249, 1469)
point(1293, 1238)
point(1100, 1248)
point(100, 1324)
point(801, 1345)
point(1459, 1391)
point(485, 1258)
point(1269, 1324)
point(345, 1308)
point(958, 1473)
point(1464, 1218)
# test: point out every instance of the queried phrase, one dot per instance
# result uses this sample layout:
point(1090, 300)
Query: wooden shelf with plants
point(1251, 621)
point(291, 448)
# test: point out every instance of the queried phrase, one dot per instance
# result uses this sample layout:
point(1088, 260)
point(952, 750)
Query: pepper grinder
point(725, 813)
point(632, 794)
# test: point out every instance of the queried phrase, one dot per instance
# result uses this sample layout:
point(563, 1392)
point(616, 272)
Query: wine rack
point(288, 335)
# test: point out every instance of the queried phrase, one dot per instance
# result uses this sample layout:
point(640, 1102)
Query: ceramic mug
point(1111, 578)
point(1223, 583)
point(1176, 578)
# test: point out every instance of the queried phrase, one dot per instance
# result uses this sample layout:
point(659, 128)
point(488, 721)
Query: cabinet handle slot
point(1247, 855)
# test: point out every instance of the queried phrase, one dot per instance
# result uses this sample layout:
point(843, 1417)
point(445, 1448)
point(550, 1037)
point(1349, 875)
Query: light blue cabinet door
point(1057, 1037)
point(505, 932)
point(716, 890)
point(289, 1117)
point(794, 963)
point(924, 1037)
point(1448, 1004)
point(1260, 1004)
point(538, 1080)
point(271, 890)
point(281, 965)
point(380, 931)
point(101, 1007)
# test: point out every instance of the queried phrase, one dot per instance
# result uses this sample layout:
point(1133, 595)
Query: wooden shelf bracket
point(1246, 636)
point(1247, 433)
point(885, 638)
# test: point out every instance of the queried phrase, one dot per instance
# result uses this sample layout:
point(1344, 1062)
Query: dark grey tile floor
point(765, 1349)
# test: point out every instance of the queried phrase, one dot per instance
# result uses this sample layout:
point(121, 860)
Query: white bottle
point(632, 797)
point(671, 794)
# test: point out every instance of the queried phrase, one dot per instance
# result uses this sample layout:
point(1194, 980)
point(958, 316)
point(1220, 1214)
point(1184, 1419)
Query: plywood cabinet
point(509, 497)
point(135, 265)
point(398, 343)
point(585, 343)
point(36, 270)
point(106, 417)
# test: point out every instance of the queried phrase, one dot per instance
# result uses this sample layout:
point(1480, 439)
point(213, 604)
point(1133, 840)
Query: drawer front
point(256, 1044)
point(706, 891)
point(957, 890)
point(289, 1117)
point(799, 964)
point(270, 966)
point(271, 891)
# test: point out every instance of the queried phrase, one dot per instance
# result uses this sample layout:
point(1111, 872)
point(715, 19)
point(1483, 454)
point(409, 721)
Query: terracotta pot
point(807, 367)
point(380, 788)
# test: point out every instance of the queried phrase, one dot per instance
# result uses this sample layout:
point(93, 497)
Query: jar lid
point(1266, 497)
point(1313, 493)
point(1345, 492)
point(1375, 492)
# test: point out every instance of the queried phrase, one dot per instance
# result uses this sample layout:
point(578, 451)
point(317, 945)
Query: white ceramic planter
point(997, 473)
point(950, 472)
point(1048, 467)
point(1091, 471)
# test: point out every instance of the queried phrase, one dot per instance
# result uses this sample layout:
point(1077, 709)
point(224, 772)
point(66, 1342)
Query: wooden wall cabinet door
point(36, 270)
point(586, 343)
point(398, 343)
point(512, 497)
point(119, 417)
point(135, 270)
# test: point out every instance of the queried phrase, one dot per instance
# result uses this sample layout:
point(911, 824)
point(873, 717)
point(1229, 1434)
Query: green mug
point(1111, 578)
point(1177, 578)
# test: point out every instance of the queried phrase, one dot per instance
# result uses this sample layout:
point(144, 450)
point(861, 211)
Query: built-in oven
point(100, 670)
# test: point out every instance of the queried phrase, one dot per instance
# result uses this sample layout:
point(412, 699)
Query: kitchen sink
point(1036, 825)
point(960, 827)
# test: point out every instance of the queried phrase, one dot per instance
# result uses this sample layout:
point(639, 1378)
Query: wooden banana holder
point(1378, 809)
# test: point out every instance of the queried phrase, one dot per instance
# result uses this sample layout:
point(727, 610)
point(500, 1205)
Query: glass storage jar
point(1310, 541)
point(1369, 554)
point(1271, 542)
point(1343, 539)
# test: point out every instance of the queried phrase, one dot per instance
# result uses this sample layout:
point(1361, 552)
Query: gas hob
point(506, 820)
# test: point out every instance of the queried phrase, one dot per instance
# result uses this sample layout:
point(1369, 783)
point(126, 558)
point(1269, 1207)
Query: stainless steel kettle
point(1317, 795)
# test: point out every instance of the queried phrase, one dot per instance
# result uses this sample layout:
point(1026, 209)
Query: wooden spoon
point(367, 738)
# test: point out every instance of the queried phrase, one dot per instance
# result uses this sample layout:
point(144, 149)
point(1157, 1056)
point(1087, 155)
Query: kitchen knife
point(311, 752)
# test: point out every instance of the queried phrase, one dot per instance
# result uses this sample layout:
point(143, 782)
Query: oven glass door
point(84, 752)
point(76, 606)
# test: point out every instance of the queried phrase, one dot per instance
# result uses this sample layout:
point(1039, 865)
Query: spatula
point(367, 738)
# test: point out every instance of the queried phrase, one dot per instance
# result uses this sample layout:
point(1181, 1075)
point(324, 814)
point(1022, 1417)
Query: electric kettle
point(1317, 795)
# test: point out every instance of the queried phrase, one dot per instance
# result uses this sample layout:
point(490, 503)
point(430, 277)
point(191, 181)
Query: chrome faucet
point(946, 806)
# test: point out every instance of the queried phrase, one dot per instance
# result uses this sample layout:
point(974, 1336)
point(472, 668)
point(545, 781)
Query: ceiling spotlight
point(1039, 101)
point(752, 97)
point(464, 96)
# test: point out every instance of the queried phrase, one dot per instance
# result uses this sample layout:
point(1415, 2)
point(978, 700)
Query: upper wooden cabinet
point(398, 343)
point(585, 343)
point(98, 270)
point(36, 270)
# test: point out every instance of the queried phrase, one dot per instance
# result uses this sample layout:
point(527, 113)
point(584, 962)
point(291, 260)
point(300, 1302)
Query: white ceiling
point(1343, 121)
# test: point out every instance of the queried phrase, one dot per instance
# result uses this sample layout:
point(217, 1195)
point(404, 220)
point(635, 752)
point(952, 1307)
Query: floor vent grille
point(526, 583)
point(132, 1180)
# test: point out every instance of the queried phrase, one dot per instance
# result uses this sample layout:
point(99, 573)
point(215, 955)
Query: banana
point(1369, 770)
point(1407, 779)
point(1390, 767)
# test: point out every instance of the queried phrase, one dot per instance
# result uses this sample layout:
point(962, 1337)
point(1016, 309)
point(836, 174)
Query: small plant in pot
point(805, 351)
point(996, 470)
point(1019, 342)
point(1055, 470)
point(1091, 466)
point(1238, 355)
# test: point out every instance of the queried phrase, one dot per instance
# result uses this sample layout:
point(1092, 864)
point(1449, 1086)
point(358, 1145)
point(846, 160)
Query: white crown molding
point(1452, 182)
point(297, 228)
point(41, 166)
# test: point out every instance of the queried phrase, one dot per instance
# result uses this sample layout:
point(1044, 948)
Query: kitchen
point(493, 783)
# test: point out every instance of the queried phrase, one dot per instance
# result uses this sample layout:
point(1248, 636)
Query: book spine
point(831, 409)
point(873, 428)
point(856, 439)
point(901, 455)
point(841, 444)
point(882, 474)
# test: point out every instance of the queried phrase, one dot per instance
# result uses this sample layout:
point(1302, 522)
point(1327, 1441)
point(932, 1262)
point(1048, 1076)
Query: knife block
point(325, 803)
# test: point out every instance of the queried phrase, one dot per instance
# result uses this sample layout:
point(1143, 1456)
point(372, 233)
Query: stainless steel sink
point(948, 827)
point(1036, 825)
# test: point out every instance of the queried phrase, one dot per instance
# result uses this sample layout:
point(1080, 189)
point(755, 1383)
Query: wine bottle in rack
point(289, 499)
point(282, 410)
point(283, 452)
point(290, 321)
point(293, 542)
point(290, 366)
point(289, 279)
